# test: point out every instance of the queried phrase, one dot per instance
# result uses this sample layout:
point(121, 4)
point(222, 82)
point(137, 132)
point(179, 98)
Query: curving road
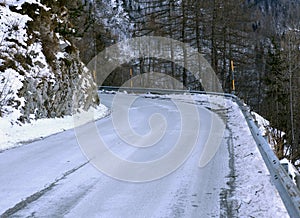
point(52, 177)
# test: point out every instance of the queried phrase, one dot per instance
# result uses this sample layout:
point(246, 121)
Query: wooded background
point(261, 37)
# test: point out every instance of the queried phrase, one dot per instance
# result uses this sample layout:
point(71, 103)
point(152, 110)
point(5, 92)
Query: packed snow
point(253, 194)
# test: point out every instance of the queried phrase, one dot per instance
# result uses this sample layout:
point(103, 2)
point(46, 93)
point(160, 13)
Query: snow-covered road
point(52, 177)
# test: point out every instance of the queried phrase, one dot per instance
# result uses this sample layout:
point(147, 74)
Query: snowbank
point(13, 135)
point(254, 193)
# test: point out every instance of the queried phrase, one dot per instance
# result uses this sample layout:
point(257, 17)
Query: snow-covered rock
point(41, 74)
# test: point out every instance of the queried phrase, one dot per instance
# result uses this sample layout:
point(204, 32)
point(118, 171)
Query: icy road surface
point(52, 177)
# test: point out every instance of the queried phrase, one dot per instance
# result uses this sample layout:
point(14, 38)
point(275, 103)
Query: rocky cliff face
point(41, 74)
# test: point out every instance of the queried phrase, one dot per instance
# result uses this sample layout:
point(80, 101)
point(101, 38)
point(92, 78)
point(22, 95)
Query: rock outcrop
point(41, 74)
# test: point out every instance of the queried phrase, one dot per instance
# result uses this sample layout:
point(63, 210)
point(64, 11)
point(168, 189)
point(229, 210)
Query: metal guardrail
point(159, 91)
point(142, 90)
point(288, 191)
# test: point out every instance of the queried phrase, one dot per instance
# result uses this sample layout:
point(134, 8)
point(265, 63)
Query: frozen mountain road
point(53, 178)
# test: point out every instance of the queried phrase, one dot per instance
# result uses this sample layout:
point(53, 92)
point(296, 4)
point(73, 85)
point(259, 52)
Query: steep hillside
point(41, 74)
point(276, 15)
